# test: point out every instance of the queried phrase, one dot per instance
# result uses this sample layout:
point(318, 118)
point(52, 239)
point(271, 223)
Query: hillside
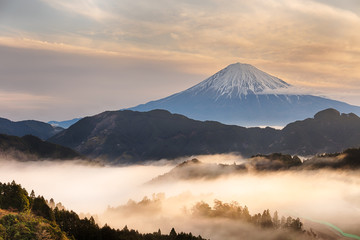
point(24, 217)
point(329, 131)
point(128, 136)
point(32, 148)
point(29, 127)
point(275, 162)
point(19, 226)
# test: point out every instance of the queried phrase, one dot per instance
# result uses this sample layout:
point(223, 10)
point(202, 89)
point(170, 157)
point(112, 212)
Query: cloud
point(307, 194)
point(88, 8)
point(83, 84)
point(306, 43)
point(28, 105)
point(74, 184)
point(292, 90)
point(14, 100)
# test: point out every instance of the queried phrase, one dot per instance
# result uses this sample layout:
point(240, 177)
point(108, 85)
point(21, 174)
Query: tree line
point(32, 213)
point(234, 211)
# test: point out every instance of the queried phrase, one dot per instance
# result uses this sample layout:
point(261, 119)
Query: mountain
point(64, 124)
point(32, 148)
point(28, 127)
point(129, 136)
point(243, 95)
point(328, 131)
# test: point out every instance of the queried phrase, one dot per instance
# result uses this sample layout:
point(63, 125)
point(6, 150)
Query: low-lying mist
point(80, 186)
point(116, 195)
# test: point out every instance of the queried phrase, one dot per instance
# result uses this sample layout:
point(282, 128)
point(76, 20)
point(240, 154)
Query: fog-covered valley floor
point(121, 195)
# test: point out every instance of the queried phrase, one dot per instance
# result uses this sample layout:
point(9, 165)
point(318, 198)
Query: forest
point(27, 217)
point(236, 212)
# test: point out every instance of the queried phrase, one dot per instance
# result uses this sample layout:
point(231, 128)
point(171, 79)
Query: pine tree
point(173, 234)
point(276, 220)
point(246, 214)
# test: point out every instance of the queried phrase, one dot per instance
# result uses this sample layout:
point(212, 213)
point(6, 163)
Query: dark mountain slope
point(32, 148)
point(28, 127)
point(131, 136)
point(127, 136)
point(328, 131)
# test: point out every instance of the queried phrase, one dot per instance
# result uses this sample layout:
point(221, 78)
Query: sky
point(61, 59)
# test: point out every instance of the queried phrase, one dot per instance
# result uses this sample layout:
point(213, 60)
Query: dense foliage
point(348, 159)
point(27, 226)
point(29, 217)
point(13, 196)
point(236, 212)
point(195, 169)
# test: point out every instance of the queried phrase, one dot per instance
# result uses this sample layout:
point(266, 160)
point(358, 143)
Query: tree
point(276, 220)
point(172, 234)
point(202, 209)
point(296, 224)
point(32, 194)
point(266, 219)
point(52, 203)
point(40, 208)
point(125, 229)
point(283, 222)
point(59, 206)
point(288, 222)
point(13, 196)
point(246, 214)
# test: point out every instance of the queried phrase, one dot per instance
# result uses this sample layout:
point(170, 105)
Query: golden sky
point(62, 59)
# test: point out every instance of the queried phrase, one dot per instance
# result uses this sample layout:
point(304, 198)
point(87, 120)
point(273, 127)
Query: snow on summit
point(237, 80)
point(243, 95)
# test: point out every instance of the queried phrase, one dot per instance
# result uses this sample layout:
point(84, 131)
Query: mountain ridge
point(130, 136)
point(31, 148)
point(28, 127)
point(63, 124)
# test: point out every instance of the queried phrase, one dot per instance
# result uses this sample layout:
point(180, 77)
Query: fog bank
point(78, 186)
point(325, 195)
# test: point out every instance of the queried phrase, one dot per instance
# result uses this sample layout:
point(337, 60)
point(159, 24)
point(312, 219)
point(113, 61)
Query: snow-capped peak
point(237, 80)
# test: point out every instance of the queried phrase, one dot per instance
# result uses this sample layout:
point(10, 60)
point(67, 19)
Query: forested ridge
point(27, 217)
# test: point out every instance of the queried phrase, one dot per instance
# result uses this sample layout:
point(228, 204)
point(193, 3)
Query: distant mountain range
point(129, 136)
point(246, 96)
point(28, 127)
point(64, 124)
point(29, 148)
